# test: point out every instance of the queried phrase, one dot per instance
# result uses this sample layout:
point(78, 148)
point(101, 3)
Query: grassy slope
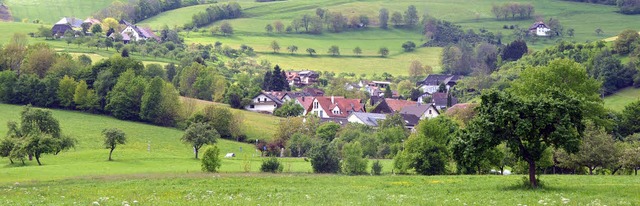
point(50, 11)
point(167, 155)
point(302, 189)
point(622, 98)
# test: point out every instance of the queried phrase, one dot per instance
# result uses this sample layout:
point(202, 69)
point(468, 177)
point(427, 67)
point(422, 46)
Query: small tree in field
point(199, 134)
point(211, 160)
point(384, 52)
point(353, 163)
point(275, 46)
point(357, 51)
point(113, 137)
point(311, 51)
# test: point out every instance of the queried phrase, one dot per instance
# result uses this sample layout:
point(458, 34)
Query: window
point(252, 106)
point(315, 105)
point(429, 111)
point(320, 114)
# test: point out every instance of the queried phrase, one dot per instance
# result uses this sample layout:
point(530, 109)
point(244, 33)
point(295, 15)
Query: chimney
point(333, 101)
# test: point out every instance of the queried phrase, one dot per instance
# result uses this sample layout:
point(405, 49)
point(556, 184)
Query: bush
point(324, 159)
point(353, 163)
point(271, 165)
point(211, 160)
point(376, 168)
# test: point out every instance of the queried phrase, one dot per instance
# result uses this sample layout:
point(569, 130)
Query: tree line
point(511, 10)
point(136, 11)
point(624, 6)
point(215, 13)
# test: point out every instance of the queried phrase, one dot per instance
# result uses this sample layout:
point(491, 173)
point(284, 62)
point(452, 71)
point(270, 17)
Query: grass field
point(622, 98)
point(50, 11)
point(306, 189)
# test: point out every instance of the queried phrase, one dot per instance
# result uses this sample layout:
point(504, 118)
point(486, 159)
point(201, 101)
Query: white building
point(265, 103)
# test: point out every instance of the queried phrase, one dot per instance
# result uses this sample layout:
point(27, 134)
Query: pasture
point(50, 11)
point(307, 189)
point(622, 98)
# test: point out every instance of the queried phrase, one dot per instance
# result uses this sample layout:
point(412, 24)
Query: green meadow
point(622, 98)
point(50, 11)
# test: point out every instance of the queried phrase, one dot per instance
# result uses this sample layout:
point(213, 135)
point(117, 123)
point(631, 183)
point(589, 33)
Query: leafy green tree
point(150, 108)
point(96, 29)
point(311, 51)
point(630, 158)
point(625, 41)
point(396, 19)
point(353, 162)
point(112, 138)
point(289, 109)
point(528, 126)
point(125, 99)
point(211, 161)
point(66, 91)
point(597, 149)
point(383, 18)
point(334, 50)
point(226, 28)
point(388, 93)
point(275, 46)
point(376, 168)
point(198, 135)
point(84, 98)
point(324, 158)
point(299, 144)
point(292, 48)
point(357, 51)
point(411, 17)
point(515, 50)
point(427, 151)
point(268, 28)
point(409, 46)
point(384, 52)
point(328, 131)
point(38, 133)
point(219, 118)
point(8, 80)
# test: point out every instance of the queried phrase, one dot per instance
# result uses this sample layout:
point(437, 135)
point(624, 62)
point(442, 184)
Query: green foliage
point(289, 109)
point(409, 46)
point(198, 135)
point(66, 91)
point(219, 118)
point(324, 158)
point(353, 162)
point(211, 161)
point(150, 108)
point(271, 165)
point(427, 150)
point(515, 50)
point(597, 150)
point(113, 137)
point(383, 51)
point(327, 131)
point(125, 99)
point(624, 44)
point(376, 168)
point(84, 98)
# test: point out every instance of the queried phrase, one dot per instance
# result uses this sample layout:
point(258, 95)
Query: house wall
point(133, 34)
point(316, 109)
point(354, 119)
point(542, 31)
point(261, 104)
point(430, 113)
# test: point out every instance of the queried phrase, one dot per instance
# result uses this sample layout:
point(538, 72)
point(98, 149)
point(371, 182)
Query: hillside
point(149, 149)
point(50, 11)
point(622, 98)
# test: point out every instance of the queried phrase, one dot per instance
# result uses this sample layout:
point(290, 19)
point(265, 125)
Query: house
point(264, 103)
point(422, 111)
point(306, 103)
point(369, 119)
point(441, 100)
point(66, 24)
point(132, 32)
point(332, 107)
point(287, 95)
point(388, 105)
point(313, 91)
point(302, 78)
point(539, 29)
point(92, 21)
point(410, 121)
point(432, 83)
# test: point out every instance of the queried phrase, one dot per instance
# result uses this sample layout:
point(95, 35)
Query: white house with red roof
point(334, 107)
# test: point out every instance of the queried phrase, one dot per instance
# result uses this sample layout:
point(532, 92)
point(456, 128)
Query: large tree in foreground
point(113, 137)
point(528, 126)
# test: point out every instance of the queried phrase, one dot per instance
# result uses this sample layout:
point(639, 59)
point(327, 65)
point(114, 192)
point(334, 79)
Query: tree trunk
point(616, 170)
point(591, 171)
point(636, 171)
point(196, 149)
point(10, 160)
point(111, 152)
point(38, 159)
point(532, 174)
point(501, 170)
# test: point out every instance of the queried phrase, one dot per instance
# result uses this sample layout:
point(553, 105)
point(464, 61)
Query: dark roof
point(125, 22)
point(271, 97)
point(437, 79)
point(410, 119)
point(417, 110)
point(538, 24)
point(440, 99)
point(382, 108)
point(314, 91)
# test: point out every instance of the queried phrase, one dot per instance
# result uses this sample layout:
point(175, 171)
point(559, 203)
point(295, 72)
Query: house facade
point(302, 78)
point(539, 29)
point(264, 103)
point(432, 83)
point(334, 107)
point(369, 119)
point(66, 24)
point(422, 111)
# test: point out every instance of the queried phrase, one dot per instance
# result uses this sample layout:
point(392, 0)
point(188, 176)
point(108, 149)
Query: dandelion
point(96, 203)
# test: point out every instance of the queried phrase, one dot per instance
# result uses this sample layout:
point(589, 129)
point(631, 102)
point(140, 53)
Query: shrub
point(271, 165)
point(211, 160)
point(353, 163)
point(324, 159)
point(376, 168)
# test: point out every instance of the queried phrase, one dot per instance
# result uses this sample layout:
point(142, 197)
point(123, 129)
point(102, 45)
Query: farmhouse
point(264, 103)
point(132, 32)
point(431, 83)
point(332, 107)
point(539, 29)
point(302, 78)
point(66, 24)
point(422, 111)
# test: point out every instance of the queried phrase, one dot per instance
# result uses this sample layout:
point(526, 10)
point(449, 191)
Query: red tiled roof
point(397, 105)
point(306, 102)
point(345, 105)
